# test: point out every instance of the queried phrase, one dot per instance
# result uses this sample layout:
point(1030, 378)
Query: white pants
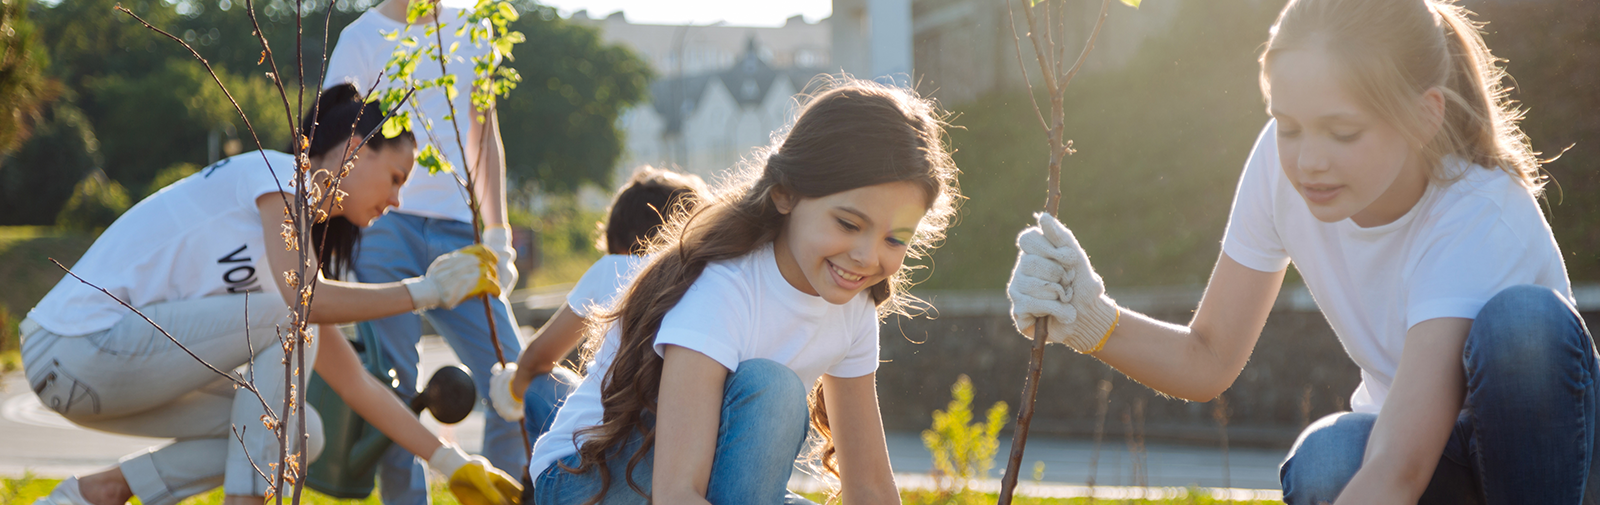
point(130, 379)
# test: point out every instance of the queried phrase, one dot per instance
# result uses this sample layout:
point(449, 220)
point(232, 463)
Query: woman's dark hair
point(336, 124)
point(852, 135)
point(651, 197)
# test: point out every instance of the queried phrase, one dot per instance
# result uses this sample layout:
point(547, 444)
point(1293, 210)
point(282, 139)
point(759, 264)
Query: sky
point(677, 12)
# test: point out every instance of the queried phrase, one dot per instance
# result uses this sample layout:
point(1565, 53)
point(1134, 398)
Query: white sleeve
point(713, 318)
point(254, 177)
point(862, 357)
point(600, 286)
point(1252, 237)
point(1470, 255)
point(353, 62)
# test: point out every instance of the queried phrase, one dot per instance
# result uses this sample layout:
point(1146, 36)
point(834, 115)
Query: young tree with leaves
point(437, 52)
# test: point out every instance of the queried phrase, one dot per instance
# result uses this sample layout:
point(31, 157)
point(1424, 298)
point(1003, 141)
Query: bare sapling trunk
point(1051, 55)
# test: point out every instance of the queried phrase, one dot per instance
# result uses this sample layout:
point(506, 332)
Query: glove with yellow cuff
point(473, 480)
point(1053, 280)
point(454, 277)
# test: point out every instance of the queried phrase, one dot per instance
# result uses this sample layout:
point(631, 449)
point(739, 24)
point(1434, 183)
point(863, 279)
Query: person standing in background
point(433, 218)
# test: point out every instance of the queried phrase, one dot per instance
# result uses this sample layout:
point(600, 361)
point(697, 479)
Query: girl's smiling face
point(1342, 159)
point(837, 245)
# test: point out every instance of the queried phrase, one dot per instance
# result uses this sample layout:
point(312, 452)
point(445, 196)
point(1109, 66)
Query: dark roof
point(749, 80)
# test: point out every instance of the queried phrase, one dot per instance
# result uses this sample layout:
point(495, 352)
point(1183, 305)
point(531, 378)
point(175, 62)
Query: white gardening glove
point(1053, 279)
point(473, 480)
point(453, 277)
point(498, 240)
point(505, 401)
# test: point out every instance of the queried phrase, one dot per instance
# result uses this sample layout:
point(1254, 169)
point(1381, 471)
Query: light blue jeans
point(763, 428)
point(399, 246)
point(544, 397)
point(1527, 429)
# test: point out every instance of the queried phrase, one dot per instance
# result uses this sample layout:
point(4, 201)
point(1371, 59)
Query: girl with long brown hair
point(1394, 176)
point(771, 288)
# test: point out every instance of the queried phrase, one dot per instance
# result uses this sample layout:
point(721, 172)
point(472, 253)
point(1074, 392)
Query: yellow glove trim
point(1103, 339)
point(488, 270)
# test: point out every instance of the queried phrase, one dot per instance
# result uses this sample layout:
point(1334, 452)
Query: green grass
point(26, 489)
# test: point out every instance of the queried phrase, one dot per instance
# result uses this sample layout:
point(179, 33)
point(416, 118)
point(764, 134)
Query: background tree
point(23, 85)
point(560, 125)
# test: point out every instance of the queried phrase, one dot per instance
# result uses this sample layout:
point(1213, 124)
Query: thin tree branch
point(259, 147)
point(1038, 48)
point(1105, 5)
point(1017, 44)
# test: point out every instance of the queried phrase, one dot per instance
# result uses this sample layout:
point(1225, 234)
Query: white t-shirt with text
point(739, 309)
point(199, 237)
point(358, 58)
point(1462, 243)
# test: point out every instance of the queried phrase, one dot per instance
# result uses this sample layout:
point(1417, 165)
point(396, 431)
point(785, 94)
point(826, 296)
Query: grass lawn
point(24, 490)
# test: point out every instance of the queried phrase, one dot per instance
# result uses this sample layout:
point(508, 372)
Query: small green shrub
point(96, 202)
point(962, 450)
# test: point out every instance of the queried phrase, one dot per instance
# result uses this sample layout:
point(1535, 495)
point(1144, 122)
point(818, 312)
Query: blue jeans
point(399, 246)
point(1526, 433)
point(545, 395)
point(763, 428)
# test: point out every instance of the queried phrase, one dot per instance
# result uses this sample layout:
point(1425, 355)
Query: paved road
point(33, 438)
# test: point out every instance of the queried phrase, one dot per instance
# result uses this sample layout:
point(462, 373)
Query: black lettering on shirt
point(242, 278)
point(215, 166)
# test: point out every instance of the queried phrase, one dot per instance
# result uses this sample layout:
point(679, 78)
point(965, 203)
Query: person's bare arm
point(1199, 361)
point(858, 435)
point(377, 404)
point(690, 405)
point(554, 341)
point(1418, 416)
point(489, 165)
point(333, 301)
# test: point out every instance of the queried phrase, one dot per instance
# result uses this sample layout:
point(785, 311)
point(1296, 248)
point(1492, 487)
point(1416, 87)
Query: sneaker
point(65, 493)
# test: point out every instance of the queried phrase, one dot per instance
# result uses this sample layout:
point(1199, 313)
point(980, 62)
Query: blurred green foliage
point(134, 102)
point(96, 201)
point(37, 179)
point(24, 87)
point(567, 238)
point(559, 126)
point(1161, 142)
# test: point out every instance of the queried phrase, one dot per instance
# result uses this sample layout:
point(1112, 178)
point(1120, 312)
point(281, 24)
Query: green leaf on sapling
point(418, 10)
point(1132, 3)
point(430, 158)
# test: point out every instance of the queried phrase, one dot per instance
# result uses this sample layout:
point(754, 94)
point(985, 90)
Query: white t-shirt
point(603, 283)
point(361, 54)
point(199, 237)
point(739, 309)
point(1461, 244)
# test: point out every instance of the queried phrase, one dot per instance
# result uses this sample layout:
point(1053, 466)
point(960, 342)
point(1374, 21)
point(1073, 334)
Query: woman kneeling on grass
point(187, 257)
point(1394, 177)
